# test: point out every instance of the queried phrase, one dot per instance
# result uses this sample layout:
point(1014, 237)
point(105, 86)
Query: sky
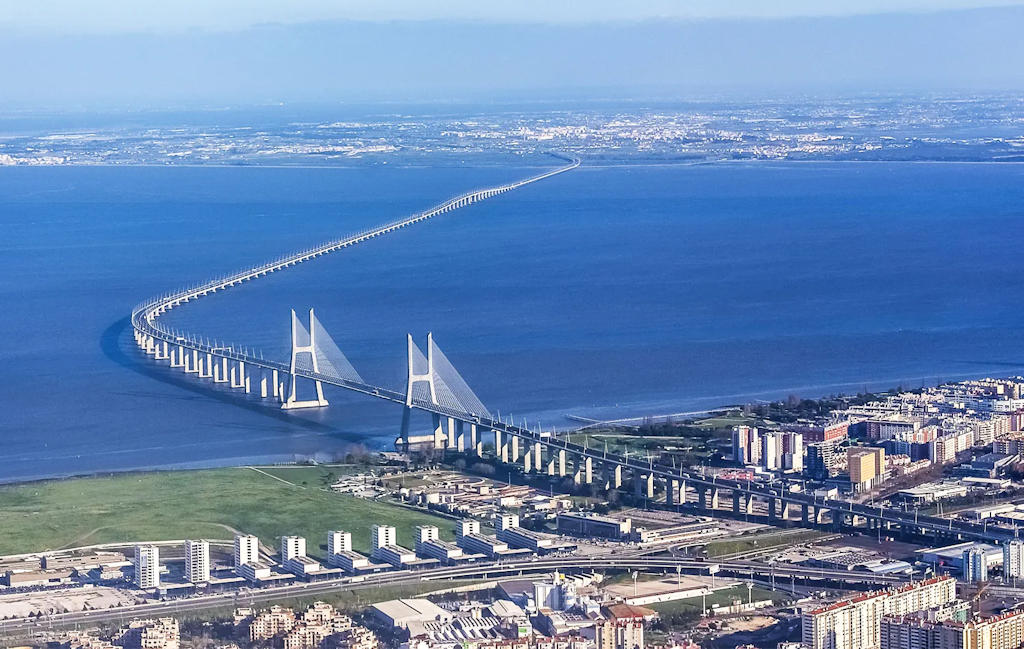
point(65, 55)
point(118, 16)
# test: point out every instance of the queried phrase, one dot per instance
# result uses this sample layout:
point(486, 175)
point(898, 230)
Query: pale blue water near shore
point(607, 292)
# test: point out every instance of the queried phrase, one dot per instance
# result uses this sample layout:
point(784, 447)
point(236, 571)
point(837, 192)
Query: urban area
point(872, 521)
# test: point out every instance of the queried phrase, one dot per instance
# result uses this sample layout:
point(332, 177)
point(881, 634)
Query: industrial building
point(593, 525)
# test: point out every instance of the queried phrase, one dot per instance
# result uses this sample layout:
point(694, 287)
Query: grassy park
point(213, 504)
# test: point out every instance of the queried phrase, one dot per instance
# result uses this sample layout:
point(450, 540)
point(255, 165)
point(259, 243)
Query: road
point(740, 569)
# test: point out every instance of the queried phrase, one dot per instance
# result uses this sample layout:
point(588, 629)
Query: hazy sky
point(113, 16)
point(70, 54)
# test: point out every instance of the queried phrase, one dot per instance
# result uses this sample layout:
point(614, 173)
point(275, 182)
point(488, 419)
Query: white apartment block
point(338, 542)
point(247, 549)
point(1013, 559)
point(382, 536)
point(291, 547)
point(856, 623)
point(197, 561)
point(147, 566)
point(425, 533)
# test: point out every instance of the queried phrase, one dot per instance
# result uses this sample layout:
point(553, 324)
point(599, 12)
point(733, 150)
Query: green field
point(724, 597)
point(193, 504)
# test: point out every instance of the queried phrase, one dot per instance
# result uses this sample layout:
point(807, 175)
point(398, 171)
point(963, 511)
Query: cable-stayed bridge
point(461, 422)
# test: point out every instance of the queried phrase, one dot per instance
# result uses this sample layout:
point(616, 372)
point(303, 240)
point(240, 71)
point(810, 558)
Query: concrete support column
point(577, 474)
point(514, 449)
point(536, 457)
point(805, 513)
point(460, 437)
point(561, 462)
point(617, 476)
point(736, 495)
point(552, 464)
point(438, 431)
point(527, 462)
point(273, 377)
point(714, 497)
point(588, 470)
point(263, 387)
point(497, 443)
point(649, 485)
point(452, 436)
point(670, 492)
point(474, 441)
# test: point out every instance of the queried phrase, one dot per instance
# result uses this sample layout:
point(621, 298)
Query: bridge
point(462, 423)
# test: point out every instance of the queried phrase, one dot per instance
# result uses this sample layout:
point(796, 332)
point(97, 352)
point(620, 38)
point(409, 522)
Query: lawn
point(722, 597)
point(190, 504)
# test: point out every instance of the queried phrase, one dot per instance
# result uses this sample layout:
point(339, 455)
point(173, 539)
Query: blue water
point(606, 292)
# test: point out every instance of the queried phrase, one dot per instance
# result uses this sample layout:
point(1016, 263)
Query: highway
point(739, 569)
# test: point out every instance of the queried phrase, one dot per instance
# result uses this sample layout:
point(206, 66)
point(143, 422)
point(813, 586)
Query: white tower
point(247, 549)
point(292, 402)
point(197, 561)
point(147, 566)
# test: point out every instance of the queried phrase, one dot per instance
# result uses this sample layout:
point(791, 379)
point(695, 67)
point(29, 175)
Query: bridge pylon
point(300, 349)
point(416, 376)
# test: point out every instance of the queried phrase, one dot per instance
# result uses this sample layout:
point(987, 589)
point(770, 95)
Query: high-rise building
point(822, 460)
point(197, 561)
point(856, 623)
point(382, 536)
point(866, 465)
point(1013, 559)
point(338, 541)
point(291, 547)
point(247, 549)
point(147, 566)
point(466, 527)
point(792, 451)
point(506, 522)
point(425, 533)
point(619, 634)
point(746, 445)
point(1004, 631)
point(771, 451)
point(975, 566)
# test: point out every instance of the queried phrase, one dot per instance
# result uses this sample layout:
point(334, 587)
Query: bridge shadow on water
point(118, 347)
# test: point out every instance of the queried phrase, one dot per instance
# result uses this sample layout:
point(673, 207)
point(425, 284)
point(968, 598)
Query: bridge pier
point(475, 442)
point(537, 450)
point(703, 496)
point(561, 462)
point(206, 368)
point(220, 371)
point(191, 362)
point(292, 401)
point(263, 387)
point(460, 437)
point(588, 470)
point(438, 430)
point(616, 479)
point(177, 357)
point(527, 462)
point(514, 449)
